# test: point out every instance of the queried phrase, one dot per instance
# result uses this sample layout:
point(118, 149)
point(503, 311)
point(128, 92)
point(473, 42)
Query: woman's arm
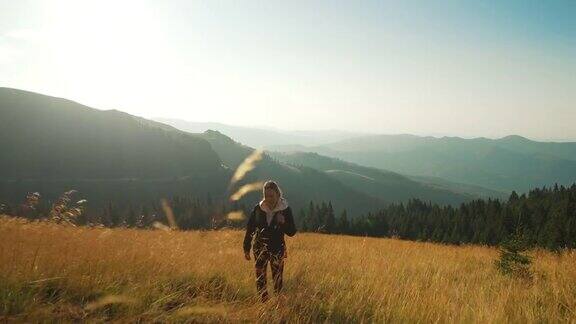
point(250, 229)
point(289, 227)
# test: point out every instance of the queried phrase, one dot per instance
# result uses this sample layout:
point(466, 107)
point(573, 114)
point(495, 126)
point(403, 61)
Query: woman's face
point(271, 196)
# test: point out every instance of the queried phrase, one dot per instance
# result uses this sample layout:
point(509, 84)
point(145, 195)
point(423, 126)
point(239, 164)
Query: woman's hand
point(247, 255)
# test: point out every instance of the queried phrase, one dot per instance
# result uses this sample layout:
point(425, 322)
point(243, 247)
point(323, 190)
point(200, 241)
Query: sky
point(459, 68)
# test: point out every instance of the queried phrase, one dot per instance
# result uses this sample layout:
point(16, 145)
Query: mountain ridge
point(509, 163)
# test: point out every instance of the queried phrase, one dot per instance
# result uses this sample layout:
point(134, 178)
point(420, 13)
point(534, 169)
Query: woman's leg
point(277, 265)
point(261, 269)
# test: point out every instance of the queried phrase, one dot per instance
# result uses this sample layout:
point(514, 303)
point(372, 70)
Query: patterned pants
point(276, 261)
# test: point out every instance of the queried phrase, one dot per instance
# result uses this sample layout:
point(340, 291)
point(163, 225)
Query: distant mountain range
point(386, 185)
point(301, 184)
point(261, 137)
point(480, 167)
point(53, 144)
point(506, 164)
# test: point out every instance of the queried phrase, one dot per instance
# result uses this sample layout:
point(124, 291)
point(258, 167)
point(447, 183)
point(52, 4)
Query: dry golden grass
point(59, 273)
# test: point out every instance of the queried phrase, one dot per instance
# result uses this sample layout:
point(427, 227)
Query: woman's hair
point(271, 185)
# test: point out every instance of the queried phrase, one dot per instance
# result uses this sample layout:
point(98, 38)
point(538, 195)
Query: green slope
point(47, 137)
point(385, 185)
point(52, 145)
point(300, 184)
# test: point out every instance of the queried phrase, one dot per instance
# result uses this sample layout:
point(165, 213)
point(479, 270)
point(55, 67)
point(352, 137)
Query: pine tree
point(302, 220)
point(513, 261)
point(343, 224)
point(312, 218)
point(330, 219)
point(131, 218)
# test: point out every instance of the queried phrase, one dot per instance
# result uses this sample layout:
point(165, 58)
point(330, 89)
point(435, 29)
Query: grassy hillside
point(385, 185)
point(52, 145)
point(54, 273)
point(301, 184)
point(54, 138)
point(473, 190)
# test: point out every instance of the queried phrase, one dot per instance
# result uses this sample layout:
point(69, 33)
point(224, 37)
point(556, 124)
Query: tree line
point(189, 212)
point(545, 217)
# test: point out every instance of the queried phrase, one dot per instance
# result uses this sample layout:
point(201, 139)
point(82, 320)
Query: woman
point(270, 219)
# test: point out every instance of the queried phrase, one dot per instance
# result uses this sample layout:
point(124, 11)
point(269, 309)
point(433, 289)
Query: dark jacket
point(268, 237)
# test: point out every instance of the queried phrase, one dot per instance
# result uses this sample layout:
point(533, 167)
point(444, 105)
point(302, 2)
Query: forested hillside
point(545, 217)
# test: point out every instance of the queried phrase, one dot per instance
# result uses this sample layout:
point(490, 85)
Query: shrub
point(513, 261)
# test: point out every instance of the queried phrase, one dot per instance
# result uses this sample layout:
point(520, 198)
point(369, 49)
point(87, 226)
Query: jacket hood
point(281, 205)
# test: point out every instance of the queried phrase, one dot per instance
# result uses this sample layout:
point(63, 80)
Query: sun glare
point(97, 45)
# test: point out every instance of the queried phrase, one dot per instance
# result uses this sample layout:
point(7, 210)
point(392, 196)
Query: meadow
point(51, 272)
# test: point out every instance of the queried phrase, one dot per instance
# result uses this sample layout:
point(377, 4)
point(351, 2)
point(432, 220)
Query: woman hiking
point(270, 219)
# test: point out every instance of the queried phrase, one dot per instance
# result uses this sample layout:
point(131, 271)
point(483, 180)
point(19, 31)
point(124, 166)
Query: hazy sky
point(466, 68)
